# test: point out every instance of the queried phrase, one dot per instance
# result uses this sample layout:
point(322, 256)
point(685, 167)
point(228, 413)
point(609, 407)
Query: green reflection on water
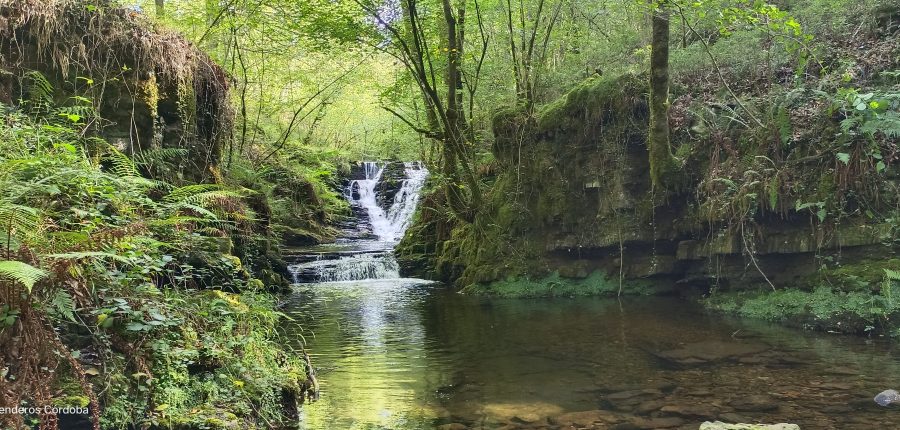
point(399, 354)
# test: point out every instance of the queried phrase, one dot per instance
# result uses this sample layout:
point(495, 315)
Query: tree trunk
point(662, 163)
point(455, 129)
point(160, 8)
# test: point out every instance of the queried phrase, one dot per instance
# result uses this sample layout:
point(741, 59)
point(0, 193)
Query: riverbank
point(141, 257)
point(783, 206)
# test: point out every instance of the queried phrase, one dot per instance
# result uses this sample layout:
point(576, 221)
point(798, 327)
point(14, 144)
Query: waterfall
point(401, 212)
point(359, 259)
point(388, 225)
point(351, 267)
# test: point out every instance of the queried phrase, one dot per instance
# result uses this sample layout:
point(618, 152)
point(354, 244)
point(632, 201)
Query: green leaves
point(843, 157)
point(8, 316)
point(22, 273)
point(821, 212)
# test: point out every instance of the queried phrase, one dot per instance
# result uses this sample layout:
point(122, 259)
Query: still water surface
point(404, 354)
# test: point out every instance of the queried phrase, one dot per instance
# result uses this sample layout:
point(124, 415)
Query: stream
point(396, 353)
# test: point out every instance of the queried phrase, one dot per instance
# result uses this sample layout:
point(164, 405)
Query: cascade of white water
point(371, 260)
point(348, 268)
point(389, 225)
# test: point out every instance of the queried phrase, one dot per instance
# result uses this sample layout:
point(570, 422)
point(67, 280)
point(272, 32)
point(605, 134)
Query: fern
point(74, 114)
point(40, 92)
point(120, 164)
point(63, 305)
point(17, 222)
point(22, 273)
point(182, 193)
point(210, 216)
point(159, 156)
point(179, 220)
point(144, 183)
point(95, 255)
point(202, 194)
point(887, 123)
point(892, 275)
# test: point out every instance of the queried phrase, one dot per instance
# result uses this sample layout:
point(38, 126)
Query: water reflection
point(400, 354)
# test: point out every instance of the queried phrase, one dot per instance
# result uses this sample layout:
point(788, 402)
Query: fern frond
point(893, 275)
point(178, 220)
point(22, 273)
point(203, 194)
point(160, 155)
point(210, 216)
point(17, 222)
point(120, 164)
point(63, 305)
point(204, 199)
point(141, 182)
point(182, 193)
point(73, 114)
point(93, 255)
point(40, 92)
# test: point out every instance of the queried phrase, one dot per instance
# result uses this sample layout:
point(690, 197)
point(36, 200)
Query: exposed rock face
point(391, 181)
point(392, 176)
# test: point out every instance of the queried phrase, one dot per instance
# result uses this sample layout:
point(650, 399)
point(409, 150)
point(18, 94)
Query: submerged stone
point(723, 426)
point(711, 351)
point(586, 418)
point(754, 403)
point(452, 426)
point(527, 412)
point(658, 423)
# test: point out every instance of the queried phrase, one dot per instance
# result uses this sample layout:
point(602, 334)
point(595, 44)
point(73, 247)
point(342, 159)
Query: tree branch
point(427, 133)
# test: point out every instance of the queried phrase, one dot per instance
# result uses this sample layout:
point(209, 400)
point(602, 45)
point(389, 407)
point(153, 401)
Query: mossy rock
point(600, 101)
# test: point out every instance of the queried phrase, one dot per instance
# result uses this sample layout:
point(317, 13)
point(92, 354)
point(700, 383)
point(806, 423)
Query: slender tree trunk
point(661, 160)
point(455, 130)
point(430, 114)
point(160, 8)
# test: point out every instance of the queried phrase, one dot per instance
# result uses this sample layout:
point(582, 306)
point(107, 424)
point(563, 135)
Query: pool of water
point(405, 354)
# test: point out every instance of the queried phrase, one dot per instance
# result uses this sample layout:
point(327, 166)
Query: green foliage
point(597, 283)
point(140, 273)
point(22, 273)
point(869, 114)
point(822, 308)
point(854, 298)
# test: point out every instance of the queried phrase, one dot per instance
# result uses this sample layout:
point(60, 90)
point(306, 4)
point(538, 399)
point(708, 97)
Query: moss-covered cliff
point(797, 200)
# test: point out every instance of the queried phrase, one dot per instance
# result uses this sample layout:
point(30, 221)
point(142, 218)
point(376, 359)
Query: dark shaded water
point(400, 354)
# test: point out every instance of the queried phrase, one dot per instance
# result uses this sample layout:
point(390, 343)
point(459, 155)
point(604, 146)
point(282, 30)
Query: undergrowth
point(124, 294)
point(859, 298)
